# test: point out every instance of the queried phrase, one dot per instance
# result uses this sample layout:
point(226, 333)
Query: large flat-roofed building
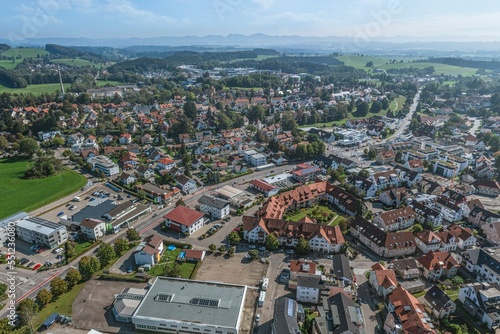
point(7, 225)
point(41, 232)
point(104, 164)
point(216, 207)
point(174, 305)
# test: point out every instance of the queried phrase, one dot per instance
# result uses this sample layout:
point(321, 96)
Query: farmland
point(34, 89)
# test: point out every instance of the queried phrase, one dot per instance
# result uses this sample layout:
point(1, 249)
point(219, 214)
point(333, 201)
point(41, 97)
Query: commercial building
point(104, 164)
point(255, 158)
point(10, 221)
point(174, 305)
point(41, 232)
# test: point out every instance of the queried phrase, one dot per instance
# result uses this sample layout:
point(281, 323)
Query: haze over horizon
point(392, 20)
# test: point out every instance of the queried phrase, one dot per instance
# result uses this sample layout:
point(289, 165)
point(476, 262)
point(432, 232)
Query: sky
point(424, 19)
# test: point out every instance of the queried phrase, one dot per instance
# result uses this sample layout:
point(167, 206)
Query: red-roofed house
point(383, 280)
point(194, 255)
point(305, 173)
point(438, 264)
point(264, 187)
point(149, 251)
point(183, 219)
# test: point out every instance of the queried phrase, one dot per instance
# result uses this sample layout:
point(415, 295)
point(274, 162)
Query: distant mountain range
point(398, 44)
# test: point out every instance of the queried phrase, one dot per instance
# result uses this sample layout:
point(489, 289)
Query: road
point(146, 225)
point(476, 126)
point(406, 121)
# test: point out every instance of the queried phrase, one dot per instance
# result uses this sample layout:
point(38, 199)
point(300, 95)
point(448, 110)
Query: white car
point(290, 251)
point(262, 248)
point(59, 250)
point(252, 247)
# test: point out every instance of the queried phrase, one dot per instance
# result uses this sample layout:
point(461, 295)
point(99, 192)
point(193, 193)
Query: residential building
point(92, 228)
point(451, 212)
point(363, 186)
point(437, 265)
point(382, 280)
point(341, 269)
point(393, 197)
point(487, 187)
point(103, 164)
point(41, 232)
point(406, 269)
point(149, 251)
point(127, 179)
point(464, 237)
point(186, 184)
point(309, 288)
point(409, 312)
point(145, 172)
point(159, 194)
point(383, 180)
point(286, 316)
point(184, 220)
point(441, 305)
point(344, 316)
point(213, 307)
point(305, 173)
point(385, 157)
point(254, 158)
point(383, 243)
point(482, 301)
point(426, 215)
point(484, 263)
point(165, 164)
point(193, 255)
point(479, 216)
point(216, 207)
point(395, 220)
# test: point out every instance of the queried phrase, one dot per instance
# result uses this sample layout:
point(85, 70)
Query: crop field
point(34, 89)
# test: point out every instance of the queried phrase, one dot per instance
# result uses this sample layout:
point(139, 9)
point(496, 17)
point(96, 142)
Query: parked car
point(290, 251)
point(262, 248)
point(257, 319)
point(329, 257)
point(60, 214)
point(252, 246)
point(130, 269)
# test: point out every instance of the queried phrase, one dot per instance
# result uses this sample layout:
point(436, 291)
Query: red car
point(41, 250)
point(38, 265)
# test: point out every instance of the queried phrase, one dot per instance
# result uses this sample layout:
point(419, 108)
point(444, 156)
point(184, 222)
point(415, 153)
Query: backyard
point(18, 194)
point(322, 213)
point(168, 259)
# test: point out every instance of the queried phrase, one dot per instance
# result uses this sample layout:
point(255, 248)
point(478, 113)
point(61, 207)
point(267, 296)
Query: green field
point(18, 194)
point(167, 259)
point(74, 62)
point(34, 89)
point(8, 64)
point(438, 68)
point(359, 61)
point(102, 83)
point(25, 52)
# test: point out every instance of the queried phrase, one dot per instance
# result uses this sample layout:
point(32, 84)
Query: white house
point(184, 220)
point(309, 288)
point(482, 300)
point(186, 184)
point(216, 207)
point(149, 251)
point(93, 229)
point(394, 220)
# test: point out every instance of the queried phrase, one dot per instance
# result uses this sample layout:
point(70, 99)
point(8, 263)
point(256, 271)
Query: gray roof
point(211, 303)
point(309, 281)
point(341, 267)
point(40, 225)
point(213, 201)
point(285, 316)
point(436, 298)
point(14, 218)
point(95, 212)
point(345, 314)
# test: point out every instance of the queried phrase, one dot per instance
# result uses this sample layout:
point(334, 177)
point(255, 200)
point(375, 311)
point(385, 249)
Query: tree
point(494, 143)
point(272, 242)
point(222, 249)
point(190, 110)
point(58, 286)
point(362, 109)
point(133, 235)
point(344, 225)
point(27, 309)
point(73, 277)
point(3, 142)
point(457, 280)
point(180, 201)
point(28, 147)
point(417, 228)
point(69, 249)
point(302, 246)
point(173, 270)
point(364, 173)
point(5, 326)
point(230, 251)
point(57, 141)
point(376, 107)
point(253, 254)
point(233, 238)
point(88, 267)
point(105, 253)
point(43, 298)
point(369, 64)
point(121, 245)
point(212, 247)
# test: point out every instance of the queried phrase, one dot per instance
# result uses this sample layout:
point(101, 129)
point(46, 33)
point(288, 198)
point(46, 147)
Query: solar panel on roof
point(164, 297)
point(208, 302)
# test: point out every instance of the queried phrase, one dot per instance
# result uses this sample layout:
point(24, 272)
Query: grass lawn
point(358, 61)
point(336, 221)
point(62, 306)
point(34, 89)
point(74, 62)
point(438, 68)
point(18, 194)
point(453, 294)
point(319, 210)
point(398, 103)
point(8, 64)
point(25, 52)
point(168, 259)
point(419, 294)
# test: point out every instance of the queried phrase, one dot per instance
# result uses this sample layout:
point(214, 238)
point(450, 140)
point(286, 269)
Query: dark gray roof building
point(345, 316)
point(285, 317)
point(341, 267)
point(213, 201)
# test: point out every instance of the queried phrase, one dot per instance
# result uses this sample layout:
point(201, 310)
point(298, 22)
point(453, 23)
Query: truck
point(262, 298)
point(76, 199)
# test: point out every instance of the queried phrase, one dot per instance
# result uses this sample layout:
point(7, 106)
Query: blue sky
point(153, 18)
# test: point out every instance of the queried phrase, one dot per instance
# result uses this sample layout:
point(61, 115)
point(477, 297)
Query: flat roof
point(95, 212)
point(229, 192)
point(137, 210)
point(13, 218)
point(211, 303)
point(40, 225)
point(277, 178)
